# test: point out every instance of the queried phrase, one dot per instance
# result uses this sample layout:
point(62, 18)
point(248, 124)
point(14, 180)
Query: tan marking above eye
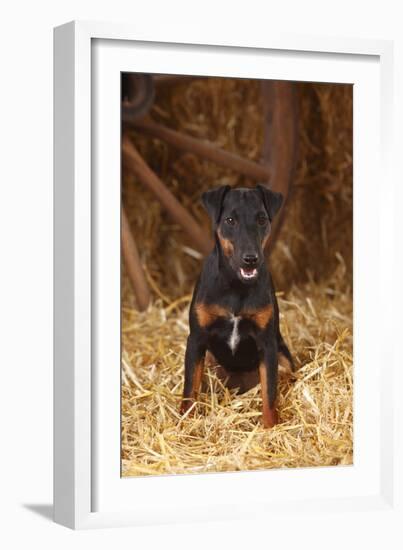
point(208, 313)
point(259, 316)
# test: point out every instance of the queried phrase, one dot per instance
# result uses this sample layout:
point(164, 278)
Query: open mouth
point(248, 273)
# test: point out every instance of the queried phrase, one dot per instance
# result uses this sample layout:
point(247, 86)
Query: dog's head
point(242, 220)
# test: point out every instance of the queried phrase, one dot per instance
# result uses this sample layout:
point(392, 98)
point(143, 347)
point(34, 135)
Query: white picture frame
point(88, 489)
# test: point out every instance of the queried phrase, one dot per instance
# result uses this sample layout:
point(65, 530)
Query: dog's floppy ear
point(271, 199)
point(213, 201)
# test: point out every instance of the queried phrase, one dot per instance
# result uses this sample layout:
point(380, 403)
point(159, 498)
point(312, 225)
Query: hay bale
point(312, 267)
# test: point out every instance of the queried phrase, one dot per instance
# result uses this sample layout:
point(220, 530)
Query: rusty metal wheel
point(279, 150)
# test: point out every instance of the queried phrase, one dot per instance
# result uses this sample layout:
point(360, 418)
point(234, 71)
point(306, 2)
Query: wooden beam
point(179, 214)
point(133, 265)
point(204, 149)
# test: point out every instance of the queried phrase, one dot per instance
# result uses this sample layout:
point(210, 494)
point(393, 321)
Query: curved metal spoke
point(133, 265)
point(144, 173)
point(204, 149)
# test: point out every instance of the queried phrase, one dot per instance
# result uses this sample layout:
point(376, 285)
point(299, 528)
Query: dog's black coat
point(234, 312)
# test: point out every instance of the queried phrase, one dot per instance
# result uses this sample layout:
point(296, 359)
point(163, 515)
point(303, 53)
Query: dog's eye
point(230, 221)
point(262, 220)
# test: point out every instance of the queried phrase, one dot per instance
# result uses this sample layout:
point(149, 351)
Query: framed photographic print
point(221, 237)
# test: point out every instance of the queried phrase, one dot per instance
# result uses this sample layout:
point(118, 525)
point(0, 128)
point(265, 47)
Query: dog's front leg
point(194, 367)
point(268, 374)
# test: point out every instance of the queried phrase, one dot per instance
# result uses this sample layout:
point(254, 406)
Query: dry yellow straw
point(312, 269)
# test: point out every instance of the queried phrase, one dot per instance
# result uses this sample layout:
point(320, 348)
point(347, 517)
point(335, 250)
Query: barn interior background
point(311, 263)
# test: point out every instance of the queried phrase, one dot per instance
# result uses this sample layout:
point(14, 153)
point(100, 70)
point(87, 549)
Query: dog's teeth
point(248, 274)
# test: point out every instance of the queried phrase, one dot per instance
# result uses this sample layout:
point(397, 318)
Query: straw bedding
point(312, 269)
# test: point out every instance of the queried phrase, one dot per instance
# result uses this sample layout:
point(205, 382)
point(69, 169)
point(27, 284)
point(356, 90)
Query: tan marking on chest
point(208, 313)
point(260, 317)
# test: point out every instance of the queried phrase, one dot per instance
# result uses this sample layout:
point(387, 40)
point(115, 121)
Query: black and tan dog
point(234, 313)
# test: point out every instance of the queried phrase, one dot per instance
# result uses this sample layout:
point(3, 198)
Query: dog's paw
point(187, 407)
point(285, 367)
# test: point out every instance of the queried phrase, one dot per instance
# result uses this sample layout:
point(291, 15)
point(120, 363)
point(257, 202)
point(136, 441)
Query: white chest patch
point(234, 338)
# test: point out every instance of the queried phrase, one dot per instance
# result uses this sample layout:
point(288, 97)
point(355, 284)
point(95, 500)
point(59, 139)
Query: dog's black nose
point(250, 259)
